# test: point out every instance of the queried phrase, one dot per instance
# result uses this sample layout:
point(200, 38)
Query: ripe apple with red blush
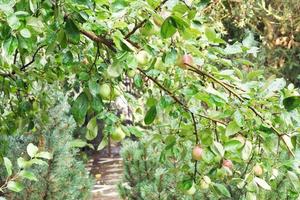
point(197, 153)
point(227, 163)
point(185, 60)
point(258, 170)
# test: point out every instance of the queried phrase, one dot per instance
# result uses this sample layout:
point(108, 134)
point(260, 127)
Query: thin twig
point(23, 68)
point(141, 24)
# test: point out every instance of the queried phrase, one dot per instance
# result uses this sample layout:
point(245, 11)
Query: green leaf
point(33, 5)
point(249, 40)
point(168, 28)
point(290, 103)
point(251, 196)
point(134, 131)
point(246, 152)
point(102, 144)
point(114, 70)
point(15, 186)
point(150, 115)
point(22, 163)
point(38, 162)
point(232, 145)
point(94, 87)
point(35, 24)
point(262, 183)
point(25, 33)
point(97, 104)
point(271, 86)
point(232, 128)
point(8, 166)
point(138, 81)
point(7, 6)
point(238, 118)
point(185, 184)
point(44, 154)
point(294, 180)
point(79, 108)
point(221, 189)
point(218, 148)
point(72, 31)
point(78, 143)
point(13, 22)
point(233, 49)
point(170, 142)
point(92, 129)
point(32, 150)
point(210, 34)
point(287, 141)
point(28, 175)
point(179, 23)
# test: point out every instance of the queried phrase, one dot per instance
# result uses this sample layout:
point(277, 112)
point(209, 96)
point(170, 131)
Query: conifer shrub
point(64, 176)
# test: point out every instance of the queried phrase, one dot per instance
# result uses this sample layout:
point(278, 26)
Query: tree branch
point(230, 90)
point(177, 100)
point(139, 25)
point(23, 68)
point(99, 39)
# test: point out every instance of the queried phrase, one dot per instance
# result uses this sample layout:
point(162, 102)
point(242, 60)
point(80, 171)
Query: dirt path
point(108, 172)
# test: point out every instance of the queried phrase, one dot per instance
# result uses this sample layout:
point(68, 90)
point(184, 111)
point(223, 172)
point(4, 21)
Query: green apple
point(149, 29)
point(258, 170)
point(205, 182)
point(105, 91)
point(158, 20)
point(114, 93)
point(197, 153)
point(131, 73)
point(159, 64)
point(118, 134)
point(142, 57)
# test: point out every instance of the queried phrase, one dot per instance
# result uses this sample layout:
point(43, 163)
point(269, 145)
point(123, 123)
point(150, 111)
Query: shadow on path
point(108, 171)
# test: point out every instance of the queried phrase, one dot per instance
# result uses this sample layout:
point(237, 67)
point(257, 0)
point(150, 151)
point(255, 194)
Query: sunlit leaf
point(262, 183)
point(15, 186)
point(8, 166)
point(92, 129)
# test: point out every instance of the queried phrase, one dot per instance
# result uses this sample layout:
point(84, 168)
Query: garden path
point(107, 170)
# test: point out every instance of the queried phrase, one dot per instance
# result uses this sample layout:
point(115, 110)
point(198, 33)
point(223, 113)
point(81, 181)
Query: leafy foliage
point(193, 87)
